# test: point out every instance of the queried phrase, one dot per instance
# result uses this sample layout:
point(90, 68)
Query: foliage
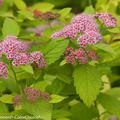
point(69, 77)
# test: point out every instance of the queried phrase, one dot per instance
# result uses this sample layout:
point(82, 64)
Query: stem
point(21, 91)
point(50, 25)
point(98, 118)
point(90, 2)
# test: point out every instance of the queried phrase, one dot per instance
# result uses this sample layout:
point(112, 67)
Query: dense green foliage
point(78, 91)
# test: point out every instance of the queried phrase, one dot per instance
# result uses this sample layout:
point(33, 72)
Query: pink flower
point(21, 58)
point(92, 54)
point(17, 99)
point(1, 2)
point(46, 96)
point(3, 70)
point(34, 94)
point(15, 50)
point(108, 19)
point(67, 31)
point(11, 47)
point(79, 55)
point(84, 25)
point(89, 37)
point(37, 57)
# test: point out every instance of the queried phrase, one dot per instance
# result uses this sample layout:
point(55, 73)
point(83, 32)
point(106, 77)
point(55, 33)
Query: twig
point(21, 91)
point(98, 118)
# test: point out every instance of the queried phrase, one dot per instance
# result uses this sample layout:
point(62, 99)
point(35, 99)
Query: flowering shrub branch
point(60, 67)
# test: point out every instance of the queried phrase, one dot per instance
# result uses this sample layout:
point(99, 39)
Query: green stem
point(50, 25)
point(90, 2)
point(21, 91)
point(98, 118)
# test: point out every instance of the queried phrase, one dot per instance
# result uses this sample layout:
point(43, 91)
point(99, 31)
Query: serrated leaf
point(63, 63)
point(42, 6)
point(105, 47)
point(40, 85)
point(26, 14)
point(3, 108)
point(114, 30)
point(87, 81)
point(65, 76)
point(54, 50)
point(81, 112)
point(40, 108)
point(49, 78)
point(89, 10)
point(10, 27)
point(115, 92)
point(56, 98)
point(20, 4)
point(7, 99)
point(110, 103)
point(60, 113)
point(56, 87)
point(64, 12)
point(2, 86)
point(27, 68)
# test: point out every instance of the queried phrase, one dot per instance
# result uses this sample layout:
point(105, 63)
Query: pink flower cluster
point(3, 70)
point(85, 25)
point(79, 55)
point(108, 19)
point(16, 50)
point(17, 99)
point(1, 2)
point(92, 54)
point(32, 96)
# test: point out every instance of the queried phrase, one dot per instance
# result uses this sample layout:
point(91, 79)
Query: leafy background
point(75, 96)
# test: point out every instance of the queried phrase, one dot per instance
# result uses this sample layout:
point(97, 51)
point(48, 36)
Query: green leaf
point(64, 12)
point(54, 50)
point(40, 108)
point(56, 98)
point(63, 119)
point(42, 6)
point(40, 85)
point(10, 27)
point(65, 76)
point(110, 103)
point(81, 112)
point(27, 68)
point(60, 113)
point(115, 92)
point(26, 14)
point(11, 84)
point(89, 10)
point(2, 86)
point(3, 108)
point(20, 4)
point(87, 81)
point(63, 63)
point(6, 99)
point(56, 87)
point(114, 30)
point(49, 78)
point(105, 47)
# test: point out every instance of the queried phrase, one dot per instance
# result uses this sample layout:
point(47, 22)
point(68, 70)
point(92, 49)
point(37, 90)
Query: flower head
point(15, 50)
point(37, 57)
point(3, 70)
point(12, 46)
point(83, 24)
point(108, 19)
point(79, 55)
point(17, 99)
